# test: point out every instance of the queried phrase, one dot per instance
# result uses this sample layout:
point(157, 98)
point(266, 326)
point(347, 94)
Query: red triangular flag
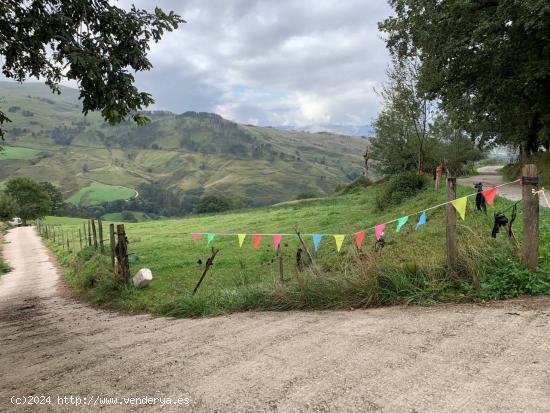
point(519, 181)
point(379, 230)
point(257, 240)
point(359, 236)
point(196, 236)
point(489, 195)
point(277, 240)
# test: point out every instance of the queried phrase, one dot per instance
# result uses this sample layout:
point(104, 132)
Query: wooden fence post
point(113, 245)
point(53, 233)
point(101, 245)
point(80, 237)
point(85, 234)
point(530, 217)
point(47, 232)
point(280, 254)
point(450, 213)
point(94, 233)
point(122, 252)
point(89, 233)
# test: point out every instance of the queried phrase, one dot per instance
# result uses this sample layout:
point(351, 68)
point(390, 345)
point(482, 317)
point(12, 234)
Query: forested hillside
point(183, 157)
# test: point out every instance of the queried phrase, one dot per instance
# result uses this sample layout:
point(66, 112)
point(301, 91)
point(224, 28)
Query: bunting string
point(459, 204)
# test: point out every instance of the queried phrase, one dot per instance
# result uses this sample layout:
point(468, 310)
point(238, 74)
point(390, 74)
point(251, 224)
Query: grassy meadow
point(97, 193)
point(411, 267)
point(17, 153)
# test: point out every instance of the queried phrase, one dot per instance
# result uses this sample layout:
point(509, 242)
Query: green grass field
point(17, 152)
point(411, 267)
point(97, 192)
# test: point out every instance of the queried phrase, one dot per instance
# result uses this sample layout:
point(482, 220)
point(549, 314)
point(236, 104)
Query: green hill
point(410, 268)
point(190, 153)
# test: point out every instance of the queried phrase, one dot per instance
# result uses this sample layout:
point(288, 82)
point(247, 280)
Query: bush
point(218, 203)
point(400, 187)
point(360, 183)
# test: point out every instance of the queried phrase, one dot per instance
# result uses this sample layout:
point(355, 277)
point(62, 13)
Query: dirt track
point(470, 358)
point(489, 177)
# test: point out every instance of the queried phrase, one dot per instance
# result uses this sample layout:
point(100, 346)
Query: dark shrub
point(400, 187)
point(359, 183)
point(214, 203)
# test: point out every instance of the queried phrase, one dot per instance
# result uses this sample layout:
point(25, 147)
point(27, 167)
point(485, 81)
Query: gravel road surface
point(468, 358)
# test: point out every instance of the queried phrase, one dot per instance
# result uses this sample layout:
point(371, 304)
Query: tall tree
point(56, 197)
point(8, 207)
point(32, 199)
point(488, 61)
point(402, 130)
point(93, 42)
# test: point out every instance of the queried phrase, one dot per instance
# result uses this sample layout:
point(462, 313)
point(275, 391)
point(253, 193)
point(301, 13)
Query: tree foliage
point(33, 201)
point(412, 133)
point(488, 62)
point(8, 207)
point(93, 42)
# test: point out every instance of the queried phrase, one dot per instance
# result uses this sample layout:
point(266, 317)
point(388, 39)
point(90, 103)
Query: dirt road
point(469, 358)
point(489, 177)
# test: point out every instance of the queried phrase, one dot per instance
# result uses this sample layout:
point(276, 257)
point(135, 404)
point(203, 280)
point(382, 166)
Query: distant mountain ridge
point(350, 130)
point(194, 153)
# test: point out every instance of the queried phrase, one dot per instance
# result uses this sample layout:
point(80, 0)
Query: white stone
point(142, 277)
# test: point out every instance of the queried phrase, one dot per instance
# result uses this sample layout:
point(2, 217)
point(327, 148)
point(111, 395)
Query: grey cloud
point(271, 62)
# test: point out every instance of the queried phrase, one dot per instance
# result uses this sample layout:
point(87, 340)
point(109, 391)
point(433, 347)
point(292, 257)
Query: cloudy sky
point(270, 62)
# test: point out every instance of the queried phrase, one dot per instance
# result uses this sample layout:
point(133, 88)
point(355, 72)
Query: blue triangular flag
point(317, 241)
point(422, 220)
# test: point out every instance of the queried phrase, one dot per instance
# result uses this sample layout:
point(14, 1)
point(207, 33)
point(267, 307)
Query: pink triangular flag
point(359, 236)
point(277, 240)
point(257, 240)
point(519, 181)
point(379, 230)
point(489, 195)
point(196, 236)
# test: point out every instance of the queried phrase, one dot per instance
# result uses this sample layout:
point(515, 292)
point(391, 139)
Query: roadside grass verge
point(410, 269)
point(4, 267)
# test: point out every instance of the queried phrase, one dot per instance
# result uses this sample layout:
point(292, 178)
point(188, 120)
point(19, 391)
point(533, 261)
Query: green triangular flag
point(210, 238)
point(402, 221)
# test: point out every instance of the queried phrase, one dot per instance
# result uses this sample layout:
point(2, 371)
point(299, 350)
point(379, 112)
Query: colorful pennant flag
point(241, 239)
point(460, 206)
point(277, 240)
point(359, 236)
point(379, 230)
point(489, 195)
point(257, 239)
point(316, 241)
point(519, 181)
point(422, 220)
point(339, 238)
point(210, 238)
point(402, 221)
point(196, 236)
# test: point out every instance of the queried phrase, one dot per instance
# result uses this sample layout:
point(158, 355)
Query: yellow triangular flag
point(460, 206)
point(339, 240)
point(241, 239)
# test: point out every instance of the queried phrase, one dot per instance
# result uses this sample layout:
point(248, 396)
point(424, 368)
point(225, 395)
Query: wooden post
point(122, 252)
point(280, 254)
point(62, 240)
point(305, 248)
point(85, 234)
point(450, 213)
point(53, 233)
point(101, 245)
point(89, 233)
point(94, 233)
point(47, 233)
point(68, 246)
point(530, 217)
point(80, 237)
point(113, 245)
point(209, 263)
